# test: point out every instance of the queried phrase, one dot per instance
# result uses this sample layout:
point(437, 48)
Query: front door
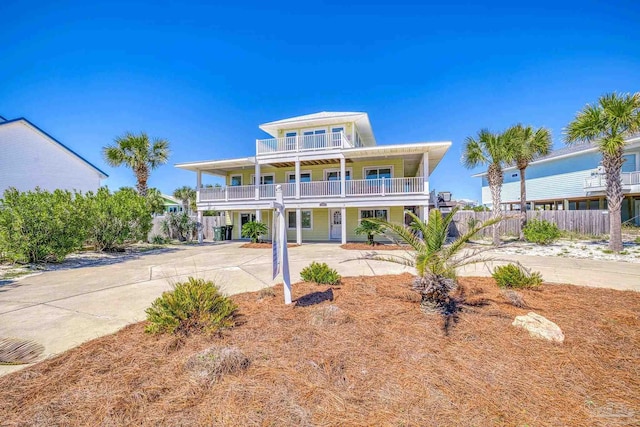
point(335, 220)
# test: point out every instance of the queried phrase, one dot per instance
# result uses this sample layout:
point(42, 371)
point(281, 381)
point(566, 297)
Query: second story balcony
point(303, 143)
point(317, 189)
point(598, 181)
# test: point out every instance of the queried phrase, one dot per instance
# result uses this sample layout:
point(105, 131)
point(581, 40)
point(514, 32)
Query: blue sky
point(204, 75)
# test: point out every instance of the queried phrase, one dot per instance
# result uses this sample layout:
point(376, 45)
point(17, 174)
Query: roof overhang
point(218, 167)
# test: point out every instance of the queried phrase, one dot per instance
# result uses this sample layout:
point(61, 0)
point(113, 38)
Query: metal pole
point(282, 243)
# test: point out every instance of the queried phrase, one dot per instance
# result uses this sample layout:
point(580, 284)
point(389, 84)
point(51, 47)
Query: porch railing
point(299, 143)
point(320, 189)
point(599, 180)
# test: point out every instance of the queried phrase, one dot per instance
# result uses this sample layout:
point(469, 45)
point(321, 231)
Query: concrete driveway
point(64, 308)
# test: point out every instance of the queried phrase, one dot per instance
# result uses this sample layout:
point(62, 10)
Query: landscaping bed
point(265, 245)
point(368, 357)
point(358, 246)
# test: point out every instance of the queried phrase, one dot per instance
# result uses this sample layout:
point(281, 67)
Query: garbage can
point(229, 230)
point(217, 233)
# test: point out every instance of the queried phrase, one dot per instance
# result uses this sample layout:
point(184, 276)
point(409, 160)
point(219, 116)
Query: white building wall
point(29, 159)
point(560, 186)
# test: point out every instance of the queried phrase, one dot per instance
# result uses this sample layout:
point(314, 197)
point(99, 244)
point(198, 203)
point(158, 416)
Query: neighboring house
point(572, 179)
point(171, 204)
point(30, 158)
point(332, 175)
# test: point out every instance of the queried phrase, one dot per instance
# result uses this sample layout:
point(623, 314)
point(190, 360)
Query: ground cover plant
point(320, 273)
point(515, 276)
point(192, 306)
point(376, 360)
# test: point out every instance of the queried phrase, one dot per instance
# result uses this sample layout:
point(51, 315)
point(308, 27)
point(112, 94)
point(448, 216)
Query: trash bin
point(229, 229)
point(217, 233)
point(223, 232)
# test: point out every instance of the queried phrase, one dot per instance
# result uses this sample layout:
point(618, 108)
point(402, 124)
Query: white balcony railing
point(296, 144)
point(319, 189)
point(600, 181)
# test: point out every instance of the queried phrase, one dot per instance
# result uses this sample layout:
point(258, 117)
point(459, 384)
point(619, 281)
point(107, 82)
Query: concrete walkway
point(64, 308)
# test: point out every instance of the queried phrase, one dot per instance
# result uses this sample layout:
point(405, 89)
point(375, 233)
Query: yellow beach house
point(332, 174)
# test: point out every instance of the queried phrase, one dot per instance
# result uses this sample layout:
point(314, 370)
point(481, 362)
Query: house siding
point(28, 160)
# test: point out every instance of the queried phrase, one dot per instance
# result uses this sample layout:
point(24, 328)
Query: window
point(290, 140)
point(264, 179)
point(374, 213)
point(236, 180)
point(336, 138)
point(334, 175)
point(304, 177)
point(314, 138)
point(377, 173)
point(305, 219)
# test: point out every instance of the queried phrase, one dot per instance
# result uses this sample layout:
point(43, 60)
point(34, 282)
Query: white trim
point(365, 168)
point(305, 132)
point(324, 172)
point(289, 174)
point(288, 211)
point(262, 175)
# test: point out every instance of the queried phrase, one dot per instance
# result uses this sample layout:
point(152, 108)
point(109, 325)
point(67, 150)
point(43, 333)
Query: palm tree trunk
point(523, 203)
point(495, 178)
point(142, 175)
point(613, 166)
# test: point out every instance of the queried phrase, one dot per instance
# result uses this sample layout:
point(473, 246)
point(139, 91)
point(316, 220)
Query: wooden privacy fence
point(208, 223)
point(592, 222)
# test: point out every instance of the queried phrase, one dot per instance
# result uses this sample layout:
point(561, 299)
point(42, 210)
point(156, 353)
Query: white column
point(425, 172)
point(298, 226)
point(200, 227)
point(258, 215)
point(297, 178)
point(343, 220)
point(257, 180)
point(198, 184)
point(343, 177)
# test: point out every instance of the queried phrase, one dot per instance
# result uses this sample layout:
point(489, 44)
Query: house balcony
point(597, 182)
point(303, 143)
point(359, 188)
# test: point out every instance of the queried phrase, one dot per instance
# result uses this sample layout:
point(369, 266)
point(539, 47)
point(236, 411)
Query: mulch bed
point(373, 359)
point(376, 246)
point(265, 245)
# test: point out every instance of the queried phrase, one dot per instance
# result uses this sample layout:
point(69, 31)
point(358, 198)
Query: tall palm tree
point(187, 196)
point(494, 150)
point(529, 144)
point(138, 153)
point(608, 123)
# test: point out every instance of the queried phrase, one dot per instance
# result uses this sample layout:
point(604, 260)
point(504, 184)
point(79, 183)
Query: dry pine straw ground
point(377, 361)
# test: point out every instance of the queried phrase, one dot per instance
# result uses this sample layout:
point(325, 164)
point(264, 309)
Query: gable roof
point(4, 122)
point(325, 118)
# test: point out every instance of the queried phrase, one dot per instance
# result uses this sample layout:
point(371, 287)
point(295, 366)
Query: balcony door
point(313, 139)
point(336, 137)
point(335, 224)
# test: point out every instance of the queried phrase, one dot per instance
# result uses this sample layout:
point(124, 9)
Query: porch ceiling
point(309, 163)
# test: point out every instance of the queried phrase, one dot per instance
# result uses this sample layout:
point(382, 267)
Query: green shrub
point(541, 232)
point(320, 273)
point(114, 220)
point(514, 276)
point(254, 230)
point(370, 228)
point(179, 226)
point(157, 239)
point(38, 225)
point(192, 306)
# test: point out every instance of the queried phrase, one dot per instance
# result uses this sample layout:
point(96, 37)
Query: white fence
point(208, 222)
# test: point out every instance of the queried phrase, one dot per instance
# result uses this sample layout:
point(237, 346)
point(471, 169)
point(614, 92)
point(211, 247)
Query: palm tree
point(253, 230)
point(529, 144)
point(138, 153)
point(495, 150)
point(369, 228)
point(435, 261)
point(607, 124)
point(187, 196)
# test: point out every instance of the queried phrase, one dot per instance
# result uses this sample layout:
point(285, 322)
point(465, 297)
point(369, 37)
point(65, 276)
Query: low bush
point(192, 306)
point(213, 363)
point(254, 230)
point(157, 239)
point(320, 273)
point(37, 226)
point(116, 219)
point(514, 276)
point(541, 232)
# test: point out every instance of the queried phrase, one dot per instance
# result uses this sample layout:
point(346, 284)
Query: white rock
point(539, 327)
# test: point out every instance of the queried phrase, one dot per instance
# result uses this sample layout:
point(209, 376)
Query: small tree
point(155, 201)
point(254, 229)
point(187, 197)
point(435, 261)
point(178, 225)
point(369, 228)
